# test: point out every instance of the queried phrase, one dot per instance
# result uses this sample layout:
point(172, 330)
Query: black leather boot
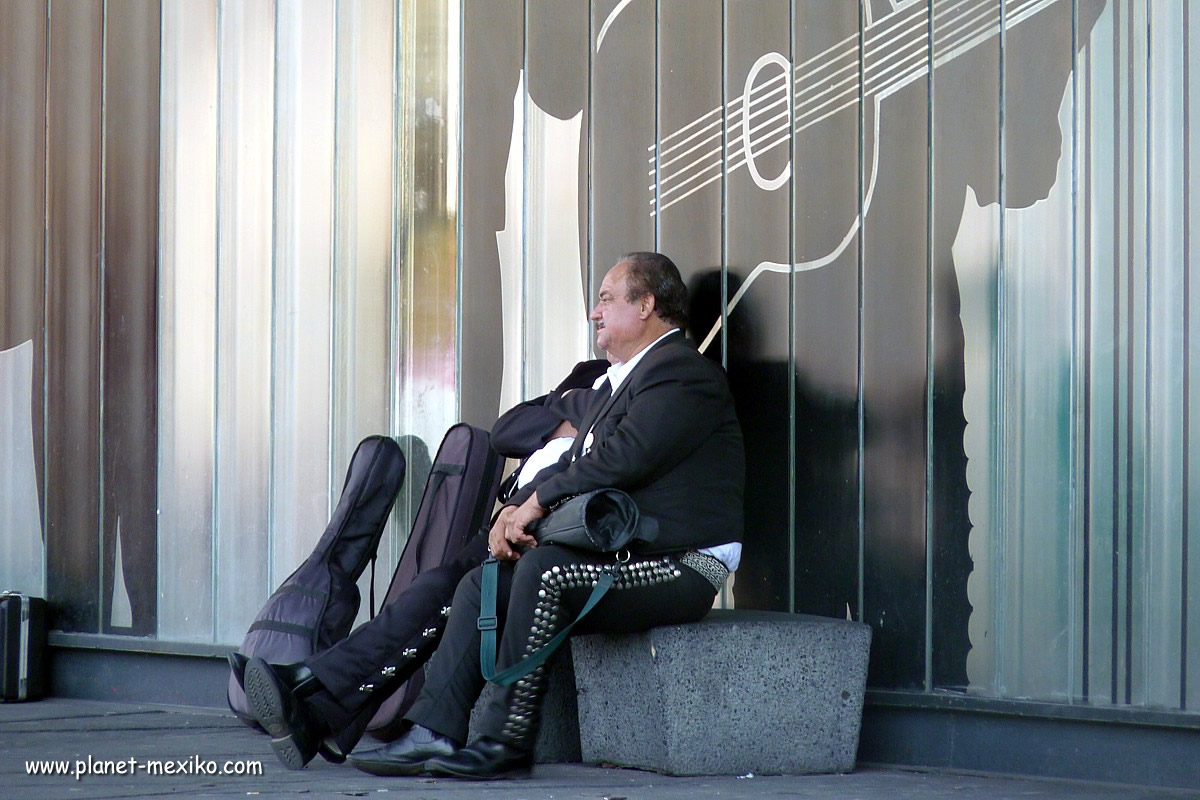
point(485, 760)
point(275, 693)
point(407, 755)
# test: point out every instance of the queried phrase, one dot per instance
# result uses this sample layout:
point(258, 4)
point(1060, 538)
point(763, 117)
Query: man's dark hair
point(655, 274)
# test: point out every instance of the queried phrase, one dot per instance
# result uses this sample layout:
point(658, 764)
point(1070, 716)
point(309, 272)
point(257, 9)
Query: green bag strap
point(487, 627)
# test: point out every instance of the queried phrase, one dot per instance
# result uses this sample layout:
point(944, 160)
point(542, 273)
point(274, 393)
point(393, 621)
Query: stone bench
point(738, 692)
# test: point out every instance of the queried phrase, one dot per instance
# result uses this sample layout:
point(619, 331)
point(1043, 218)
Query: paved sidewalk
point(192, 741)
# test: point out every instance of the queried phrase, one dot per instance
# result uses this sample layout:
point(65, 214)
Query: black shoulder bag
point(601, 521)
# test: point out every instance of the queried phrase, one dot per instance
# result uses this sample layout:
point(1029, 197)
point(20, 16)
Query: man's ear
point(646, 306)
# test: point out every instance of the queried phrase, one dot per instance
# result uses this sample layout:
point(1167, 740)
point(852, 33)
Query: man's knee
point(467, 591)
point(537, 560)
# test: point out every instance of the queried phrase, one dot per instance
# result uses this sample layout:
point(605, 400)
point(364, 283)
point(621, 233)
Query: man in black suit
point(663, 429)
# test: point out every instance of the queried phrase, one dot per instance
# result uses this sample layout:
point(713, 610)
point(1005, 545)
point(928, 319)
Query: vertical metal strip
point(1084, 264)
point(216, 395)
point(998, 513)
point(657, 123)
point(524, 317)
point(273, 324)
point(1130, 342)
point(334, 267)
point(724, 269)
point(589, 266)
point(724, 159)
point(1149, 443)
point(1186, 426)
point(1073, 501)
point(458, 215)
point(1116, 361)
point(930, 335)
point(860, 245)
point(791, 372)
point(45, 289)
point(100, 517)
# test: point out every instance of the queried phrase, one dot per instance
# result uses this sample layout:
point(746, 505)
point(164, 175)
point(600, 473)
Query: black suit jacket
point(527, 426)
point(670, 438)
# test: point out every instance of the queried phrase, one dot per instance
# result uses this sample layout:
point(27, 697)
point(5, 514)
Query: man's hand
point(509, 529)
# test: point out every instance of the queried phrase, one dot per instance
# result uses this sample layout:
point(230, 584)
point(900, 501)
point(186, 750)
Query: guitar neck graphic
point(895, 52)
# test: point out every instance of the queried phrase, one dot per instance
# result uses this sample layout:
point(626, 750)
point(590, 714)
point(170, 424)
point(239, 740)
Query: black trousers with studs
point(359, 673)
point(538, 594)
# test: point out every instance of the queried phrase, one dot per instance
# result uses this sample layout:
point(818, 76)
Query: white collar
point(618, 372)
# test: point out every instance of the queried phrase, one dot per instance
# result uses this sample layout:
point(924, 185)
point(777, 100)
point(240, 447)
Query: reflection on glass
point(427, 219)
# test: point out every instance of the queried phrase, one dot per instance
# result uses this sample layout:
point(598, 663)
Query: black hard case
point(23, 647)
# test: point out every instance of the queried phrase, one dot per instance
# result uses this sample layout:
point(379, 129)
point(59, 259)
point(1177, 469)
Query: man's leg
point(549, 585)
point(356, 675)
point(454, 680)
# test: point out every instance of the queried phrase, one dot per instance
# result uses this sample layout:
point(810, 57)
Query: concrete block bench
point(738, 692)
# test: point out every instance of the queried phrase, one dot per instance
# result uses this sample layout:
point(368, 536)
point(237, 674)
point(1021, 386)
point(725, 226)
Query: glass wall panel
point(362, 264)
point(965, 392)
point(1166, 359)
point(1035, 345)
point(834, 160)
point(73, 299)
point(894, 309)
point(557, 333)
point(246, 51)
point(493, 58)
point(22, 294)
point(187, 320)
point(303, 255)
point(130, 363)
point(1189, 561)
point(751, 129)
point(1101, 442)
point(427, 219)
point(624, 184)
point(688, 153)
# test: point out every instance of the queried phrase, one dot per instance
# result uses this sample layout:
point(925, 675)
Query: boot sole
point(267, 700)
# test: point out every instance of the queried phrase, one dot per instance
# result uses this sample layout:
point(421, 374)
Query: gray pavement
point(188, 743)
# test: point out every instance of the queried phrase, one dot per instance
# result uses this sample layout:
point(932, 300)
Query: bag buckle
point(486, 623)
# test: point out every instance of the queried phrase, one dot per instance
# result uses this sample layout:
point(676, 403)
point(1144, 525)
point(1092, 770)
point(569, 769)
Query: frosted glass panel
point(428, 219)
point(1035, 451)
point(1166, 360)
point(300, 469)
point(187, 320)
point(21, 548)
point(362, 283)
point(244, 256)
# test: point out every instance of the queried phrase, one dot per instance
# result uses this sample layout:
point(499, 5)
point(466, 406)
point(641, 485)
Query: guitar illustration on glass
point(780, 104)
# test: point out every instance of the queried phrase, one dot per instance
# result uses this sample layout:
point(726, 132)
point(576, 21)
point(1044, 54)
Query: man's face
point(619, 323)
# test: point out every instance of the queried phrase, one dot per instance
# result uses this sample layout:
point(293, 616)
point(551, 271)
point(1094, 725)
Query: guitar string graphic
point(964, 25)
point(896, 42)
point(828, 258)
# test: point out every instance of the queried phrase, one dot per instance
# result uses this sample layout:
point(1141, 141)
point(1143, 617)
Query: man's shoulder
point(678, 352)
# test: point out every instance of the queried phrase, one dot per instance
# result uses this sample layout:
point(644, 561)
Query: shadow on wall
point(825, 565)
